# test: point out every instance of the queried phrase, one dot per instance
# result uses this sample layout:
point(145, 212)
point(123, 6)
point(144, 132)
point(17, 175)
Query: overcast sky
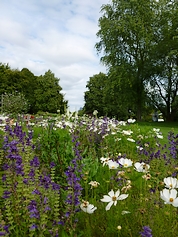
point(59, 35)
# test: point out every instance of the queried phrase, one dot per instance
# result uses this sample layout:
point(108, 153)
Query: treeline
point(41, 93)
point(138, 41)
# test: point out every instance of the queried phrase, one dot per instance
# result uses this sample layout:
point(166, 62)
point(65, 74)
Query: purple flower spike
point(146, 232)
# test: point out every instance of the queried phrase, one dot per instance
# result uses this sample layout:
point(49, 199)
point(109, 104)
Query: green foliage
point(62, 139)
point(94, 97)
point(43, 93)
point(55, 146)
point(14, 103)
point(48, 97)
point(138, 41)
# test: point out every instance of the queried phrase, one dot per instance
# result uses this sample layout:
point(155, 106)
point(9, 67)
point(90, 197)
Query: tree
point(94, 97)
point(163, 85)
point(14, 103)
point(29, 85)
point(125, 37)
point(43, 93)
point(48, 96)
point(131, 36)
point(119, 96)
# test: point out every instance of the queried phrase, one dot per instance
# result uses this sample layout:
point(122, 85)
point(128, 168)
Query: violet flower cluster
point(73, 177)
point(17, 144)
point(173, 145)
point(146, 232)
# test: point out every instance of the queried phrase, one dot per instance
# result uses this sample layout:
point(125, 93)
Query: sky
point(59, 35)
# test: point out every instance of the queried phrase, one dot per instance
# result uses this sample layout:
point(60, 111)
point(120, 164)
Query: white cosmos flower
point(131, 120)
point(112, 165)
point(159, 136)
point(104, 161)
point(169, 196)
point(125, 162)
point(139, 148)
point(171, 182)
point(141, 167)
point(130, 139)
point(112, 198)
point(127, 132)
point(94, 184)
point(88, 208)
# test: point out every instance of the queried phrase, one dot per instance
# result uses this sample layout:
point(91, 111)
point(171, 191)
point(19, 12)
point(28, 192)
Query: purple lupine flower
point(2, 233)
point(5, 167)
point(3, 178)
point(36, 191)
point(35, 162)
point(32, 173)
point(33, 227)
point(32, 207)
point(52, 164)
point(45, 181)
point(6, 194)
point(55, 186)
point(25, 181)
point(146, 232)
point(6, 228)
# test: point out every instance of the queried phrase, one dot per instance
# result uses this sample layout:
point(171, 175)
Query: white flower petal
point(173, 193)
point(111, 193)
point(106, 198)
point(117, 193)
point(122, 196)
point(175, 203)
point(109, 206)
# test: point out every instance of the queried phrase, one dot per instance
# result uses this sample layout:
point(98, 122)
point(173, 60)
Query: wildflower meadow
point(69, 175)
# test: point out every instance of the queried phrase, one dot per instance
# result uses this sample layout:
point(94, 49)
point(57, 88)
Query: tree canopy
point(43, 93)
point(138, 41)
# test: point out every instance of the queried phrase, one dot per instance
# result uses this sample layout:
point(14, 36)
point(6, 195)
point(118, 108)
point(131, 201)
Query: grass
point(165, 128)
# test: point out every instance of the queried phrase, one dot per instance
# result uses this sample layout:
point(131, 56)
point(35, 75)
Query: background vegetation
point(138, 43)
point(41, 93)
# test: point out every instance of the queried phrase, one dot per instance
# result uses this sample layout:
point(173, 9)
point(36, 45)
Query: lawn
point(165, 127)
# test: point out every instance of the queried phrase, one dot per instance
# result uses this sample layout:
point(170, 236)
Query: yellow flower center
point(114, 198)
point(125, 165)
point(171, 199)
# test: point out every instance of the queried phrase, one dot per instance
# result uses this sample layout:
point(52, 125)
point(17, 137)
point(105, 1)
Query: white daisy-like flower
point(104, 161)
point(141, 167)
point(169, 196)
point(130, 139)
point(171, 182)
point(112, 198)
point(125, 162)
point(127, 132)
point(88, 208)
point(139, 148)
point(112, 165)
point(131, 120)
point(159, 136)
point(94, 184)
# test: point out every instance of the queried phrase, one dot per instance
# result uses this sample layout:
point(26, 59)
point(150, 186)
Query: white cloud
point(58, 35)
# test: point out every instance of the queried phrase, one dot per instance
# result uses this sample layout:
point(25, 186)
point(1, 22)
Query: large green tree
point(130, 33)
point(125, 37)
point(163, 85)
point(48, 96)
point(94, 96)
point(29, 85)
point(43, 93)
